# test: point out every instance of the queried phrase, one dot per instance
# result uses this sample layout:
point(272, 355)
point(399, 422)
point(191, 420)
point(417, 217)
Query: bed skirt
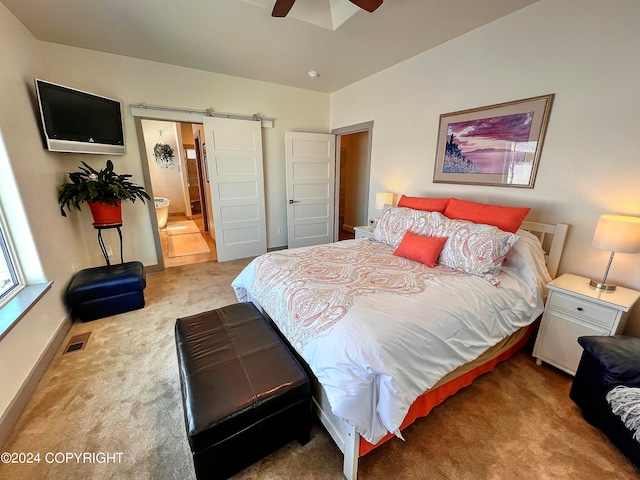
point(459, 378)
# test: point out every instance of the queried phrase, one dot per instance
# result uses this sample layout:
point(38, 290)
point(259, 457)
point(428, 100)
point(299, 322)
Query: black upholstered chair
point(606, 363)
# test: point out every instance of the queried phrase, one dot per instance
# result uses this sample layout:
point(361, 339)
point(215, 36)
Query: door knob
point(291, 202)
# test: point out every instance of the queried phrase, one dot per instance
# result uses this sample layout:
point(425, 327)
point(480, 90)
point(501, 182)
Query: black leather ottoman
point(244, 393)
point(104, 291)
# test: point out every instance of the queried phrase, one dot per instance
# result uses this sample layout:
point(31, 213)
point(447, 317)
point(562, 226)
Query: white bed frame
point(552, 238)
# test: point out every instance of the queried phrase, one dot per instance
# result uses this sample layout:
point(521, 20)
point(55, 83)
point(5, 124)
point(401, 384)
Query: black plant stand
point(101, 241)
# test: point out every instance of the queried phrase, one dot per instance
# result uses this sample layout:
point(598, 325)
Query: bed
point(387, 337)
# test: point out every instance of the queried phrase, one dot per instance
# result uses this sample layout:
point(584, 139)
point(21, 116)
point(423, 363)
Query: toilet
point(162, 210)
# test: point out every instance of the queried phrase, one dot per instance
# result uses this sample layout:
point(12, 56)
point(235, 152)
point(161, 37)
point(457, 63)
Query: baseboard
point(19, 402)
point(154, 268)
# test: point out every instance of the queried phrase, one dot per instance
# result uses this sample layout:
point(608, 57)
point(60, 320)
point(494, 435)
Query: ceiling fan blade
point(282, 7)
point(368, 5)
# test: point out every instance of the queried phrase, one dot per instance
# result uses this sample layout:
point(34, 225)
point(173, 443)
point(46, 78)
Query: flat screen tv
point(79, 122)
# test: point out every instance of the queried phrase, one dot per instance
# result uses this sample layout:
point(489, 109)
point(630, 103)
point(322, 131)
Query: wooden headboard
point(552, 238)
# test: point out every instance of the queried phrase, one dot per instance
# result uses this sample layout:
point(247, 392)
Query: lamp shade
point(382, 199)
point(618, 233)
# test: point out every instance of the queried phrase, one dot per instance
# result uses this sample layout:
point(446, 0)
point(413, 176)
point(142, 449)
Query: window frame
point(15, 271)
point(16, 302)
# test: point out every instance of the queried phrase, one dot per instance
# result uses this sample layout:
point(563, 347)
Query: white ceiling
point(241, 38)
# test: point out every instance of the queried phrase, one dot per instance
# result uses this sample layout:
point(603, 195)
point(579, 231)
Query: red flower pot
point(105, 214)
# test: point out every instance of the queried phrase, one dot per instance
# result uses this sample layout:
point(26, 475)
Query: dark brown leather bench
point(244, 393)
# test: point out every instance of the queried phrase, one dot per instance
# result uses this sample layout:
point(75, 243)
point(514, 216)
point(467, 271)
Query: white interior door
point(310, 166)
point(236, 182)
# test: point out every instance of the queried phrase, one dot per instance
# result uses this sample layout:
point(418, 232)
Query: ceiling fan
point(282, 7)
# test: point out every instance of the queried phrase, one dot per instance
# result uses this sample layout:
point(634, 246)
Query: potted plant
point(103, 190)
point(164, 155)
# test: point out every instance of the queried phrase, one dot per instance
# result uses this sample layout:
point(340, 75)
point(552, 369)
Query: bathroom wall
point(166, 182)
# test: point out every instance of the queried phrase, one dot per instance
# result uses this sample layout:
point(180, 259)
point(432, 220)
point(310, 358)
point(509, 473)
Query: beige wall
point(49, 244)
point(584, 52)
point(134, 81)
point(67, 243)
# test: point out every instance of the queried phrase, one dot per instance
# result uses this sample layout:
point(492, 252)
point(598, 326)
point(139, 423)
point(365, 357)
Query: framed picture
point(497, 145)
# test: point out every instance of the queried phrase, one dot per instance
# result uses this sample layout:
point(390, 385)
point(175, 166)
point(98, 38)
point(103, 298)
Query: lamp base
point(602, 286)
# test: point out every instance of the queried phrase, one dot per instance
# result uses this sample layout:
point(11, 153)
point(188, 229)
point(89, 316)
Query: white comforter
point(378, 330)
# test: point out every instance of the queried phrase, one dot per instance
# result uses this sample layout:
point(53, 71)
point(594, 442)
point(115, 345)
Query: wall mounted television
point(79, 122)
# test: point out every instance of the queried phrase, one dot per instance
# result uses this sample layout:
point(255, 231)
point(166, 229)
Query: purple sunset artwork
point(492, 145)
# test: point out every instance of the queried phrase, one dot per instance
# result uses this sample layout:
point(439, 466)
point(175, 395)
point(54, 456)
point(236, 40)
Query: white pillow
point(474, 248)
point(395, 221)
point(528, 257)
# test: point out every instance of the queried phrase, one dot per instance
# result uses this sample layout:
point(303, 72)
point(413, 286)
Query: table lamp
point(382, 199)
point(615, 233)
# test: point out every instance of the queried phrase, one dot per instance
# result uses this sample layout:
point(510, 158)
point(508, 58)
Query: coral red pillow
point(423, 203)
point(420, 248)
point(507, 219)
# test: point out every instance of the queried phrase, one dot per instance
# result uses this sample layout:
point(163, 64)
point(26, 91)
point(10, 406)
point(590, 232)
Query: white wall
point(584, 52)
point(48, 244)
point(167, 182)
point(134, 81)
point(67, 243)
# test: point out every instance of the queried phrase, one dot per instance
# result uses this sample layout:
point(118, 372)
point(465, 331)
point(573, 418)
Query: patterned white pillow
point(395, 221)
point(474, 248)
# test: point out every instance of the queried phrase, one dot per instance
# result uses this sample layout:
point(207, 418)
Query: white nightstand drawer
point(364, 232)
point(586, 310)
point(557, 341)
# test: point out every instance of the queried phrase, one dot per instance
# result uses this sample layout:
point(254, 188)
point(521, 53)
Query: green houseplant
point(104, 189)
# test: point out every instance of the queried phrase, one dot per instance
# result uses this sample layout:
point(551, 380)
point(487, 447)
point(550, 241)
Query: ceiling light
point(313, 74)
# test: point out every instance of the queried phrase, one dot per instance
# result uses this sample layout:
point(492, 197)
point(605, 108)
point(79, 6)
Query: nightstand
point(364, 232)
point(574, 309)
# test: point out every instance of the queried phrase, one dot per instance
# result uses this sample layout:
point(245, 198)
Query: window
point(22, 278)
point(10, 280)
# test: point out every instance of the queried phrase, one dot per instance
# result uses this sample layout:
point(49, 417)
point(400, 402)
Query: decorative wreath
point(165, 155)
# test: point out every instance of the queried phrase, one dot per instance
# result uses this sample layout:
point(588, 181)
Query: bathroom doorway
point(174, 154)
point(354, 172)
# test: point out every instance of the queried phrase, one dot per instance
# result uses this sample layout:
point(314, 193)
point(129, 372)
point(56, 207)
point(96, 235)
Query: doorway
point(353, 167)
point(178, 185)
point(328, 192)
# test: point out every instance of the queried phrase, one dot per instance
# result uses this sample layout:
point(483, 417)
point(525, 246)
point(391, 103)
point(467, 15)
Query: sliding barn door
point(236, 179)
point(310, 166)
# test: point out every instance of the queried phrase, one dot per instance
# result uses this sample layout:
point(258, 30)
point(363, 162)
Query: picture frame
point(496, 145)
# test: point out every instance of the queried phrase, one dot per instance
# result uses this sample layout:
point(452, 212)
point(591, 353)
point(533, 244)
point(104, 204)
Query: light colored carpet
point(182, 226)
point(122, 394)
point(187, 244)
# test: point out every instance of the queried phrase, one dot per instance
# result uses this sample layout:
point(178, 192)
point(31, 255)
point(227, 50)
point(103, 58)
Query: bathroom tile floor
point(187, 259)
